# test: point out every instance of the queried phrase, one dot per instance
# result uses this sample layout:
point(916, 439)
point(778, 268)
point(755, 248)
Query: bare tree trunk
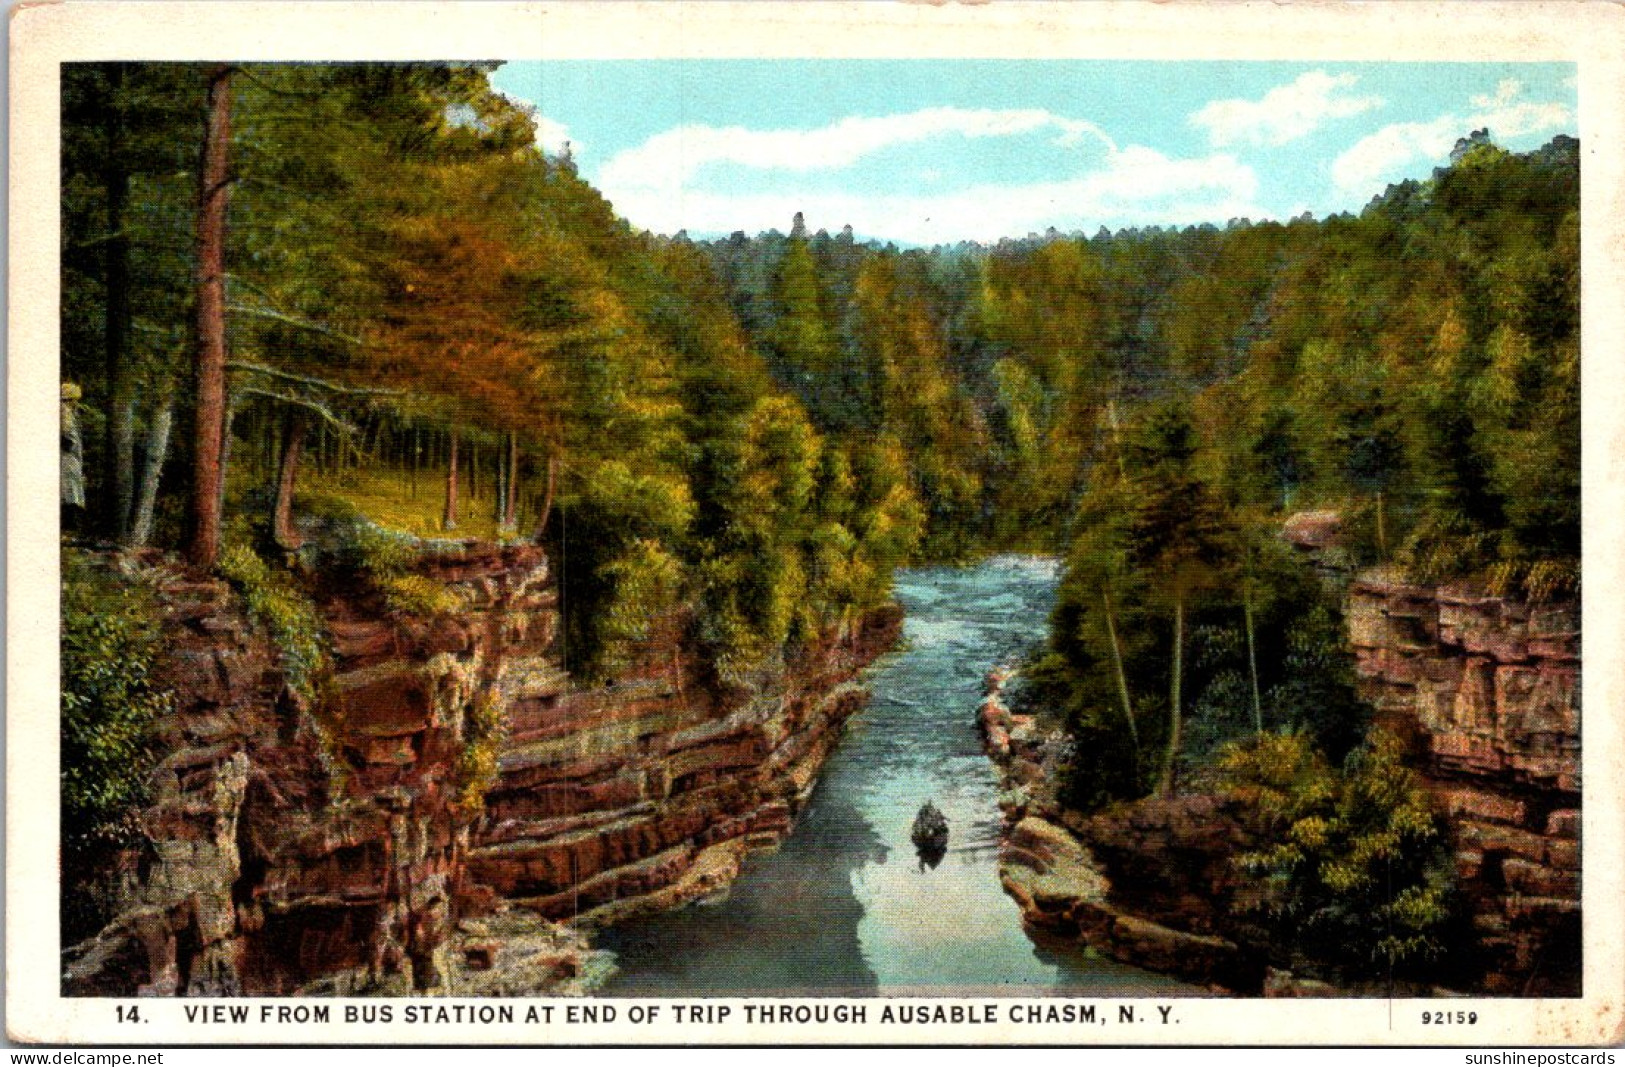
point(502, 490)
point(1171, 758)
point(1382, 534)
point(1117, 437)
point(157, 449)
point(1117, 666)
point(208, 469)
point(547, 497)
point(118, 462)
point(226, 438)
point(121, 491)
point(1252, 658)
point(510, 515)
point(449, 520)
point(414, 446)
point(283, 531)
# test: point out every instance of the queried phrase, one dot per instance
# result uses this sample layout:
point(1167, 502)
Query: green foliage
point(617, 571)
point(803, 538)
point(387, 499)
point(1436, 417)
point(275, 602)
point(647, 586)
point(110, 705)
point(384, 559)
point(413, 594)
point(376, 551)
point(753, 433)
point(1313, 690)
point(1151, 536)
point(1349, 869)
point(478, 767)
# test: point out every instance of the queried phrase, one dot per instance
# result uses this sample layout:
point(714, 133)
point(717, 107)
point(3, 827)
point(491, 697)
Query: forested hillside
point(1423, 355)
point(1154, 403)
point(390, 300)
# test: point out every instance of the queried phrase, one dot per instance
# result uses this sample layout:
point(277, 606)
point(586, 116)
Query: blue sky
point(927, 151)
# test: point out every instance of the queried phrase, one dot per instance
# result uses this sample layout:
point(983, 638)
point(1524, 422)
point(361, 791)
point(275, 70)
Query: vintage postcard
point(815, 523)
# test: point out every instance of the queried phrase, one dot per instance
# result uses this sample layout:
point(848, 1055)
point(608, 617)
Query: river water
point(845, 906)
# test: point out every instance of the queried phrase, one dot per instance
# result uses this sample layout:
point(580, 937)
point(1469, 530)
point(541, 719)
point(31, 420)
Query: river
point(845, 906)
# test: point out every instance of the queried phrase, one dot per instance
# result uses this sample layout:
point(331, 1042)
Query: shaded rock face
point(1487, 692)
point(612, 795)
point(1147, 884)
point(342, 850)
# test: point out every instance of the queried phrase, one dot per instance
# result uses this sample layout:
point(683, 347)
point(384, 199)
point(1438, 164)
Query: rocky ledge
point(456, 813)
point(1051, 863)
point(1486, 692)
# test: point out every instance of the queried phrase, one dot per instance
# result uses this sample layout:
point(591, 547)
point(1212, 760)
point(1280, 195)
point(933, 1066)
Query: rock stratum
point(1486, 692)
point(456, 815)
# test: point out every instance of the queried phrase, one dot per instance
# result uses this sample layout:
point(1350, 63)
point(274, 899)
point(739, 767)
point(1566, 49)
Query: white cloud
point(551, 134)
point(659, 184)
point(1360, 170)
point(676, 154)
point(1135, 185)
point(1285, 113)
point(1381, 156)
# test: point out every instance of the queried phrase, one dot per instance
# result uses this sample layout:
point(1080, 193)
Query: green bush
point(477, 763)
point(647, 584)
point(276, 603)
point(413, 594)
point(383, 559)
point(110, 702)
point(1349, 871)
point(375, 551)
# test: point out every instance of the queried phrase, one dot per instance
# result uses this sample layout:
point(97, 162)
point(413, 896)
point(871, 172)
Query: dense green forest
point(1154, 403)
point(407, 309)
point(296, 296)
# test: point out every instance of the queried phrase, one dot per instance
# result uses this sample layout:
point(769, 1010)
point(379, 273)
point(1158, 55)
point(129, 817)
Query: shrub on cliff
point(383, 559)
point(278, 605)
point(1348, 872)
point(110, 644)
point(484, 729)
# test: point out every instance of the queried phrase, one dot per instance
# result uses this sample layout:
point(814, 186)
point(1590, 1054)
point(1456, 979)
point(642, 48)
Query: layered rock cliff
point(1487, 691)
point(451, 794)
point(650, 792)
point(1147, 883)
point(1484, 689)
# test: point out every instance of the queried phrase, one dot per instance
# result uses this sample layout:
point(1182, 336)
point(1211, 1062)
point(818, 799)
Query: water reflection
point(788, 927)
point(833, 911)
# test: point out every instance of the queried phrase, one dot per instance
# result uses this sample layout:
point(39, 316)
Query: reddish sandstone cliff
point(354, 848)
point(1487, 689)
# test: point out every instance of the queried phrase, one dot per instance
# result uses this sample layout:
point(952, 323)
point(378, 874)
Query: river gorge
point(667, 835)
point(846, 905)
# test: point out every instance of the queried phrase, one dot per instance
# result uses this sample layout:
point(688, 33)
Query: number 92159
point(1449, 1018)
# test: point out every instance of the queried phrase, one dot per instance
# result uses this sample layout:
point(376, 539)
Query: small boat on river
point(930, 833)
